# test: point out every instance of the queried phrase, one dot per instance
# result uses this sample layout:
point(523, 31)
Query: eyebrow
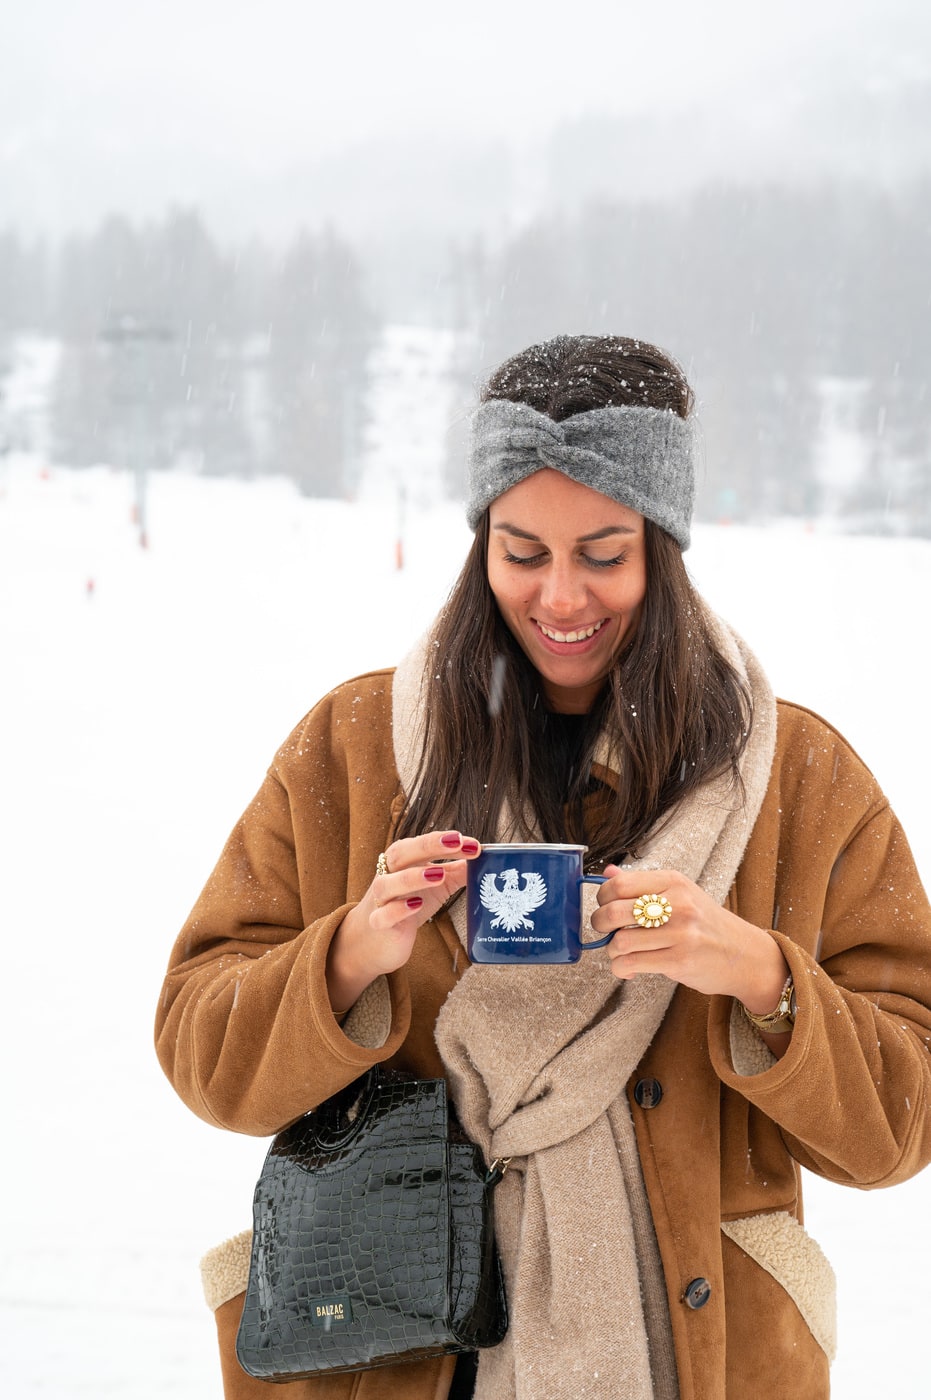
point(506, 529)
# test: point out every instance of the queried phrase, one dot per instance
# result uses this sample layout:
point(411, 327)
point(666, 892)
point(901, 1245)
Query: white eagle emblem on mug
point(512, 904)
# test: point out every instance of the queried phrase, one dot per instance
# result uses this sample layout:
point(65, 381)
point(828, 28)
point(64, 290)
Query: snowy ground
point(138, 719)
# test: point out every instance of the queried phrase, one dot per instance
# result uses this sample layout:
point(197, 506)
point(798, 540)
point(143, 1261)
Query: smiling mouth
point(582, 634)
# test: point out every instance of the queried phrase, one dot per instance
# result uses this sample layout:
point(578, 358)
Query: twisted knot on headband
point(643, 458)
point(535, 438)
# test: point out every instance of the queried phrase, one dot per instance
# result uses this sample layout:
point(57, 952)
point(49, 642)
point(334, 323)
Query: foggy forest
point(795, 293)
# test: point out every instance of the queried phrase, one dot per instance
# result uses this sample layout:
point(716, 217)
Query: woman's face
point(568, 569)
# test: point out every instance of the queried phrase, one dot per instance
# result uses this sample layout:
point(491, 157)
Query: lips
point(581, 634)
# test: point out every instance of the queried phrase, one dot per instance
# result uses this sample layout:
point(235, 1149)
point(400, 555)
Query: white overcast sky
point(132, 103)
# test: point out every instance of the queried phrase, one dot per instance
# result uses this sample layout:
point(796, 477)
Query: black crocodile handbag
point(372, 1238)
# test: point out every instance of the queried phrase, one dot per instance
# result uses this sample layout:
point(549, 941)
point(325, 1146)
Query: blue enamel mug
point(525, 903)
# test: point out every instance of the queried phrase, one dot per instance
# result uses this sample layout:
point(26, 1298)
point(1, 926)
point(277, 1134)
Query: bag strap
point(336, 1121)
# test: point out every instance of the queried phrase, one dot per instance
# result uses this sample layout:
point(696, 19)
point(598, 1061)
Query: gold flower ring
point(651, 910)
point(381, 865)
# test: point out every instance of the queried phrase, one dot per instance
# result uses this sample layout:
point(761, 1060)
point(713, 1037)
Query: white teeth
point(579, 636)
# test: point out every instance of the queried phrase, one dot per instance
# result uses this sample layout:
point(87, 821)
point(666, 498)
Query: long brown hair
point(674, 710)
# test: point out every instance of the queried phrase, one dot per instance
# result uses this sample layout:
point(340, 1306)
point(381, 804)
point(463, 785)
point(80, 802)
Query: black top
point(565, 738)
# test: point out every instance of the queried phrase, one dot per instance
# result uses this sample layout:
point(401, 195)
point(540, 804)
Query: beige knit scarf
point(538, 1059)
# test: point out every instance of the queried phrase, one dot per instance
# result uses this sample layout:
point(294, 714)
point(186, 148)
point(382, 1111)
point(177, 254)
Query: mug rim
point(530, 846)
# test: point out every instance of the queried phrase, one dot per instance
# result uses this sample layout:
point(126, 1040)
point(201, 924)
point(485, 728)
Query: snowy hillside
point(145, 692)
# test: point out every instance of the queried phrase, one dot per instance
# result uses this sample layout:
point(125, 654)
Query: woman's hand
point(378, 935)
point(703, 945)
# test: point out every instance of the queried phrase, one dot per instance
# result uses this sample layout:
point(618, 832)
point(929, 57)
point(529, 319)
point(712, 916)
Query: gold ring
point(381, 865)
point(651, 910)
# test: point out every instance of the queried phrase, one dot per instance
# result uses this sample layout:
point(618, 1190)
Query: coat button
point(648, 1092)
point(697, 1293)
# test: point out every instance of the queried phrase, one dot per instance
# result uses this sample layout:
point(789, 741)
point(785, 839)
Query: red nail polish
point(469, 848)
point(451, 838)
point(414, 902)
point(434, 872)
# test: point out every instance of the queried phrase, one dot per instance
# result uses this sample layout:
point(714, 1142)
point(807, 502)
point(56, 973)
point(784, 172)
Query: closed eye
point(607, 563)
point(528, 560)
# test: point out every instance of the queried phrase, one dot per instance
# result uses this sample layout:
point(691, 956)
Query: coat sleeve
point(244, 1028)
point(852, 1095)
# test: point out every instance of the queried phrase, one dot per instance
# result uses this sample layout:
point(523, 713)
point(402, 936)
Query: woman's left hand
point(703, 945)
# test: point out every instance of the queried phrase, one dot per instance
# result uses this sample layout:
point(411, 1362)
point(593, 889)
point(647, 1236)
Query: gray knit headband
point(642, 457)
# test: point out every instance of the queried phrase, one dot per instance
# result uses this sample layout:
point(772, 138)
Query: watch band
point(781, 1019)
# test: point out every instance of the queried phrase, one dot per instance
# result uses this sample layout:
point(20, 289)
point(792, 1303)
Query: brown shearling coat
point(246, 1035)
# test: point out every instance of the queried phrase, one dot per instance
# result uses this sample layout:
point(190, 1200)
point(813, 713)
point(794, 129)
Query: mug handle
point(599, 942)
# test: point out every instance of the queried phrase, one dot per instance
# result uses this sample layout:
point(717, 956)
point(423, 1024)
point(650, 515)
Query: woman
point(656, 1100)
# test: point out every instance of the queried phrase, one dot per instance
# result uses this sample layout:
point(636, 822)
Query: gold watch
point(781, 1020)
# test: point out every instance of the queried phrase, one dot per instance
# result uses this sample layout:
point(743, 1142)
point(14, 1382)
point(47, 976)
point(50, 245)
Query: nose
point(563, 592)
